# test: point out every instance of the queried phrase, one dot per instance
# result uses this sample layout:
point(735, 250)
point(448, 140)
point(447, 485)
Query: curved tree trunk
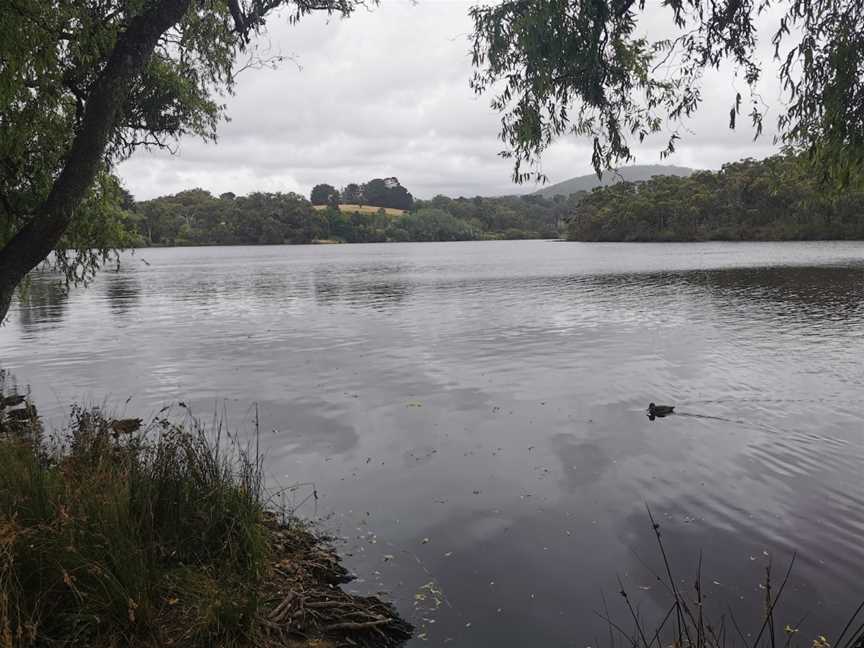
point(35, 241)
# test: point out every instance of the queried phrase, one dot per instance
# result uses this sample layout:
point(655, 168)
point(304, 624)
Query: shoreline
point(149, 536)
point(305, 599)
point(327, 242)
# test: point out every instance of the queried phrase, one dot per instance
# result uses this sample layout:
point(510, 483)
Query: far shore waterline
point(544, 240)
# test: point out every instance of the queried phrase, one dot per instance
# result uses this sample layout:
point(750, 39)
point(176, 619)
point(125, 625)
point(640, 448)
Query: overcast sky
point(385, 93)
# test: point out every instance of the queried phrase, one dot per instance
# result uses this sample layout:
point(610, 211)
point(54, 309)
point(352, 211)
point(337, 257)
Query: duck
point(660, 410)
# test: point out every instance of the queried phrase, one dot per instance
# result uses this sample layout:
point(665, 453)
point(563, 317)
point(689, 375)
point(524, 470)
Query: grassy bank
point(118, 534)
point(364, 209)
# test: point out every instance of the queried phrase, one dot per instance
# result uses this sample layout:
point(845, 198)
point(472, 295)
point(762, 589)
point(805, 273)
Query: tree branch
point(239, 19)
point(43, 232)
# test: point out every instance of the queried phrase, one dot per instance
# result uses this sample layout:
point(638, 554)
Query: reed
point(113, 533)
point(685, 623)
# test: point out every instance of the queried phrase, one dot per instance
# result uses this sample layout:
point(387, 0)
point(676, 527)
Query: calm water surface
point(472, 414)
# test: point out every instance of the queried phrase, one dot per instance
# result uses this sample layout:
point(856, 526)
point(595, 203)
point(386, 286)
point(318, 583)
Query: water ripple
point(500, 387)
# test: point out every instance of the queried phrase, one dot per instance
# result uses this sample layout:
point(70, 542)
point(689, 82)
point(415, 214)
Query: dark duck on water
point(659, 410)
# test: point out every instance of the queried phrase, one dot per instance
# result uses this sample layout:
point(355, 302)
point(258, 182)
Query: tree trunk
point(5, 301)
point(35, 241)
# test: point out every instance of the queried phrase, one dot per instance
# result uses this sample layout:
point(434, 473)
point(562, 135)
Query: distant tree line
point(196, 217)
point(775, 198)
point(505, 217)
point(379, 192)
point(778, 198)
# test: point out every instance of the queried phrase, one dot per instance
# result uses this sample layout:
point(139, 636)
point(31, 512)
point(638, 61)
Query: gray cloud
point(385, 92)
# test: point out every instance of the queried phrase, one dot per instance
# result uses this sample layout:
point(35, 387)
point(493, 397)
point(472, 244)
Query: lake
point(472, 415)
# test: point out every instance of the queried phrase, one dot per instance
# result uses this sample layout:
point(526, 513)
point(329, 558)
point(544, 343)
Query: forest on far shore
point(777, 198)
point(196, 217)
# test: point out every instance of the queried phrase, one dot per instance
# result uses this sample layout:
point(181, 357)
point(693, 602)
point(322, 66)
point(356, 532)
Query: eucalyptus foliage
point(585, 67)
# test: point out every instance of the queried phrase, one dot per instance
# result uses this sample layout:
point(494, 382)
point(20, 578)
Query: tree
point(433, 225)
point(399, 198)
point(352, 194)
point(324, 194)
point(386, 192)
point(83, 84)
point(375, 193)
point(571, 66)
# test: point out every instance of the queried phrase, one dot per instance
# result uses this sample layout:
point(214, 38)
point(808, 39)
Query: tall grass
point(151, 538)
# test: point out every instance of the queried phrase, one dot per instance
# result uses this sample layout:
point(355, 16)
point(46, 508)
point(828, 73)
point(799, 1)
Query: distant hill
point(635, 173)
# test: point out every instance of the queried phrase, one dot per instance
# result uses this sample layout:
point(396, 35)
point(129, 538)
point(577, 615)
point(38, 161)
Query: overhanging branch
point(43, 232)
